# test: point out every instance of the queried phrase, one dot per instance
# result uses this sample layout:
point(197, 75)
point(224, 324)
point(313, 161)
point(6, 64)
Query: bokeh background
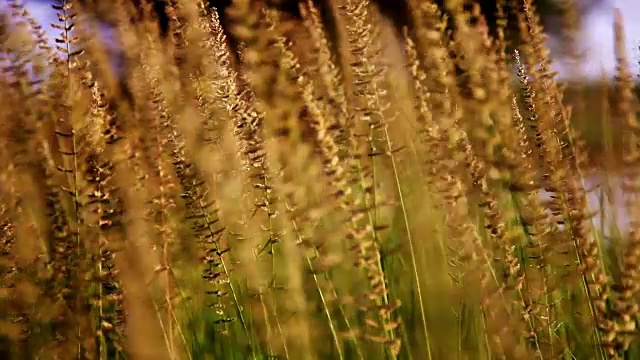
point(596, 35)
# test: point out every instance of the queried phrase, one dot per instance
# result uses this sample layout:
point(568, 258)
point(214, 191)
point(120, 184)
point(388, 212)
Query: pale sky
point(596, 36)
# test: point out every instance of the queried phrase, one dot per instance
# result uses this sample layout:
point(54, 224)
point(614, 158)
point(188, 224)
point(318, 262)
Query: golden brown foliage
point(304, 203)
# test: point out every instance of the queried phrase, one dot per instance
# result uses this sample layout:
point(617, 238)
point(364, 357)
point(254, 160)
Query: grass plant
point(328, 190)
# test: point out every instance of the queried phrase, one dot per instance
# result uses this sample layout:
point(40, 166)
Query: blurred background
point(596, 34)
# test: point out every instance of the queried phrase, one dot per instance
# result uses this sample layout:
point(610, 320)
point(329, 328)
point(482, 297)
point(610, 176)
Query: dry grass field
point(291, 201)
